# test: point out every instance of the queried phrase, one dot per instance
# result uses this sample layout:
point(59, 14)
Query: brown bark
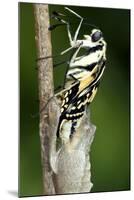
point(48, 114)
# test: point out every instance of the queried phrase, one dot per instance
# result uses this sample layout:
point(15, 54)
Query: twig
point(45, 78)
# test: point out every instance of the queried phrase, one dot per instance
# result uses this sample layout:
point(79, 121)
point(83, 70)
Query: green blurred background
point(110, 111)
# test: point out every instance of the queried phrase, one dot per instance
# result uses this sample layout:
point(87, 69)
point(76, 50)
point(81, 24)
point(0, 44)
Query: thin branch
point(46, 92)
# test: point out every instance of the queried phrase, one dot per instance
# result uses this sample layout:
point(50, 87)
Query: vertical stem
point(45, 78)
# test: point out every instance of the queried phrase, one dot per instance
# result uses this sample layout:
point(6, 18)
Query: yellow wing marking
point(88, 79)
